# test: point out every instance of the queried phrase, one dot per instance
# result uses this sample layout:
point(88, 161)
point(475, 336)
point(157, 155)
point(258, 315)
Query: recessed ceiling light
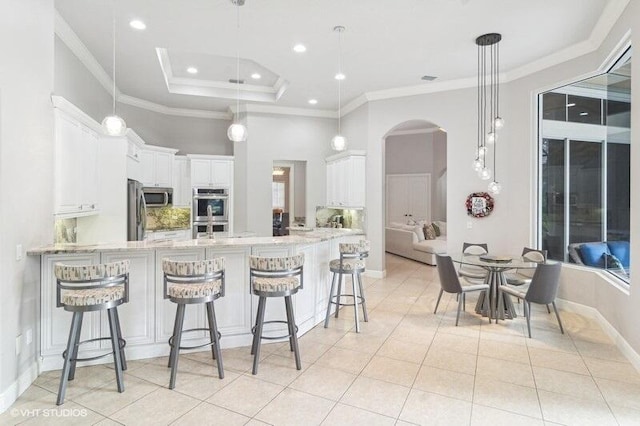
point(340, 76)
point(192, 70)
point(584, 113)
point(137, 24)
point(313, 101)
point(299, 48)
point(571, 104)
point(256, 76)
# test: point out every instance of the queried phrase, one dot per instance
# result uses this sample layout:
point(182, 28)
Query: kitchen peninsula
point(147, 319)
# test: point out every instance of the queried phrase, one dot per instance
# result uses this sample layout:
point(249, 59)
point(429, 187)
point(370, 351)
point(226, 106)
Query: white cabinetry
point(181, 182)
point(178, 234)
point(157, 166)
point(211, 170)
point(408, 198)
point(76, 178)
point(346, 180)
point(134, 146)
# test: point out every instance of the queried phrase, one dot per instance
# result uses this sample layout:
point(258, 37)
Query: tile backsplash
point(351, 218)
point(65, 231)
point(161, 218)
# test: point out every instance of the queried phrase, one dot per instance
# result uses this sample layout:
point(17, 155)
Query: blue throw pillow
point(620, 249)
point(592, 254)
point(612, 262)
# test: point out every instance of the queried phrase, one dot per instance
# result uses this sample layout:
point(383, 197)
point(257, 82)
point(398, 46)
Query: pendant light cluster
point(237, 132)
point(114, 125)
point(339, 142)
point(489, 120)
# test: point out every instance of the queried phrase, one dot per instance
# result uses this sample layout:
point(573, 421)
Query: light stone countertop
point(308, 238)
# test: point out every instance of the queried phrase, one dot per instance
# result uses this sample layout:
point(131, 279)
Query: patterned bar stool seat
point(81, 289)
point(187, 283)
point(352, 263)
point(275, 277)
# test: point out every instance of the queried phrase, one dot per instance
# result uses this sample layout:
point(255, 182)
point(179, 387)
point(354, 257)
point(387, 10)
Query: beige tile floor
point(407, 366)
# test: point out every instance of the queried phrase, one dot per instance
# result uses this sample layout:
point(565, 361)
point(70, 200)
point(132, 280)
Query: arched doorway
point(415, 178)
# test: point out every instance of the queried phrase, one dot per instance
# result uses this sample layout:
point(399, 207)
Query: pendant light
point(339, 142)
point(114, 125)
point(489, 120)
point(237, 132)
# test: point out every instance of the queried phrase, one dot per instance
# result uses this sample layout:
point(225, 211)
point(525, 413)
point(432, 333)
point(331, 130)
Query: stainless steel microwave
point(157, 197)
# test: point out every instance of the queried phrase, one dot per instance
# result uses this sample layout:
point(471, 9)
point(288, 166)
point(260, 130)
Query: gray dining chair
point(471, 272)
point(522, 277)
point(542, 290)
point(450, 283)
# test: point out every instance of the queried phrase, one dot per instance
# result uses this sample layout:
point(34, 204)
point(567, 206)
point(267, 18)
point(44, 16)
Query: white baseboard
point(375, 274)
point(21, 384)
point(589, 312)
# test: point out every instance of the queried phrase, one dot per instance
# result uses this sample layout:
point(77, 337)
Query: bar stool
point(352, 263)
point(275, 277)
point(81, 289)
point(188, 283)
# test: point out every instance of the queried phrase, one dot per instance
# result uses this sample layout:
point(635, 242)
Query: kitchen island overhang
point(147, 320)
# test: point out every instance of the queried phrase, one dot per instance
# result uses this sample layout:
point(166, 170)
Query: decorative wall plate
point(479, 204)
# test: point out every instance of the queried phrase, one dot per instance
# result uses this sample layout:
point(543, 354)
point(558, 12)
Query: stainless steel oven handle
point(210, 197)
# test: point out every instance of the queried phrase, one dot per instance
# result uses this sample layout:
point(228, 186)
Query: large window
point(585, 171)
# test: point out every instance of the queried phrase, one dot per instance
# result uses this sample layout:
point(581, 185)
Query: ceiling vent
point(428, 78)
point(234, 81)
point(238, 2)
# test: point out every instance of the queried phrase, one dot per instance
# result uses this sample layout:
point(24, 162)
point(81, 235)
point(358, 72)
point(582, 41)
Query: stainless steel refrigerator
point(136, 211)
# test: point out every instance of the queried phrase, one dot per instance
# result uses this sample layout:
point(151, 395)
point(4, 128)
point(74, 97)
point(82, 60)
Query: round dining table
point(495, 266)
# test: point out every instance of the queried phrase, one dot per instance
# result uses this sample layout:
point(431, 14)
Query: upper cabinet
point(76, 177)
point(211, 170)
point(346, 179)
point(135, 144)
point(181, 182)
point(157, 166)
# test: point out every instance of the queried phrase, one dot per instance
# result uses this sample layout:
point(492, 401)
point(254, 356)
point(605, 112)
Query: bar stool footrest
point(284, 336)
point(122, 344)
point(333, 301)
point(211, 343)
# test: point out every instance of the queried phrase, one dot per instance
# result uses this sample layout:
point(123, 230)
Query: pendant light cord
point(113, 29)
point(237, 59)
point(340, 80)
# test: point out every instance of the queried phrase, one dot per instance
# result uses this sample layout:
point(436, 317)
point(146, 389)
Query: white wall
point(281, 138)
point(188, 134)
point(26, 149)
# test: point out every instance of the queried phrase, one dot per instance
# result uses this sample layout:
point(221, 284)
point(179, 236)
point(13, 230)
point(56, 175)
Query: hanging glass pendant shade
point(237, 132)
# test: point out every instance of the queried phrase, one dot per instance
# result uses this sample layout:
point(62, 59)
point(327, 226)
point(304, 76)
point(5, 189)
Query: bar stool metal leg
point(75, 330)
point(256, 337)
point(122, 357)
point(363, 300)
point(175, 333)
point(292, 330)
point(211, 330)
point(74, 352)
point(258, 334)
point(338, 294)
point(355, 302)
point(333, 286)
point(213, 327)
point(115, 344)
point(177, 338)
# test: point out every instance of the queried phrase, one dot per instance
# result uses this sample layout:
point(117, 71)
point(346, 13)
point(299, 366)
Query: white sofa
point(408, 241)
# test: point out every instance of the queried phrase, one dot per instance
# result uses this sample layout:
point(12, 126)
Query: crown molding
point(180, 112)
point(354, 104)
point(70, 109)
point(279, 110)
point(73, 42)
